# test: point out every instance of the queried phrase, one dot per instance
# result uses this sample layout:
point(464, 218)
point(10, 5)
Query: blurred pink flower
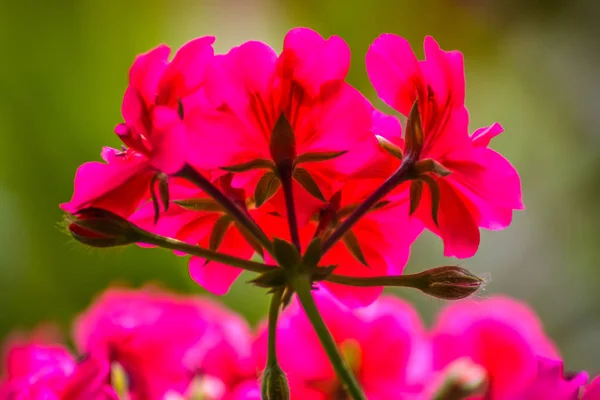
point(384, 344)
point(502, 335)
point(163, 341)
point(483, 188)
point(155, 107)
point(37, 370)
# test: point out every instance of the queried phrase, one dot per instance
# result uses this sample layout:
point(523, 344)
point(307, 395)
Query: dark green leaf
point(250, 165)
point(312, 255)
point(163, 190)
point(416, 191)
point(283, 143)
point(414, 132)
point(266, 187)
point(201, 204)
point(286, 254)
point(434, 188)
point(353, 246)
point(319, 156)
point(218, 232)
point(303, 177)
point(276, 278)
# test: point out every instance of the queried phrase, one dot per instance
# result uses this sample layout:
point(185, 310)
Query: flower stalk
point(303, 287)
point(229, 206)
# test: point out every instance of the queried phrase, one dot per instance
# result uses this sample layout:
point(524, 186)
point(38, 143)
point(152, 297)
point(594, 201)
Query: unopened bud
point(102, 228)
point(449, 282)
point(275, 384)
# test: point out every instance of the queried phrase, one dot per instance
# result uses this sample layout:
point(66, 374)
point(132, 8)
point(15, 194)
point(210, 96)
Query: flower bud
point(449, 282)
point(102, 228)
point(275, 384)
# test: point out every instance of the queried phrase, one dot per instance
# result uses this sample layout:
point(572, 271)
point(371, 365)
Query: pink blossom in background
point(502, 335)
point(384, 344)
point(483, 188)
point(163, 341)
point(37, 370)
point(159, 95)
point(251, 87)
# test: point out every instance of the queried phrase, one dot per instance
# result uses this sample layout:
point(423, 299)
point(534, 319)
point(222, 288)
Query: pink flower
point(384, 344)
point(502, 335)
point(155, 107)
point(163, 342)
point(299, 97)
point(483, 188)
point(37, 370)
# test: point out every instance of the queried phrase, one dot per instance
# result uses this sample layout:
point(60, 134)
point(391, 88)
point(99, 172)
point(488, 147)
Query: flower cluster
point(149, 344)
point(228, 152)
point(273, 163)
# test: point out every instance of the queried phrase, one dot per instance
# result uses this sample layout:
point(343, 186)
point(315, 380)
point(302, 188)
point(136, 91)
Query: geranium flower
point(482, 188)
point(157, 101)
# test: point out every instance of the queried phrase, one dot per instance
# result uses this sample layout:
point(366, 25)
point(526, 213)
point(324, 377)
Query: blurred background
point(531, 65)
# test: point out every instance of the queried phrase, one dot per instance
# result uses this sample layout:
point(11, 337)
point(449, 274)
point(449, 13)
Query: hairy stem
point(302, 286)
point(241, 216)
point(174, 244)
point(393, 181)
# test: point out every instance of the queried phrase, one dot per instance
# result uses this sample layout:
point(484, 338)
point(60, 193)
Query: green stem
point(241, 216)
point(273, 317)
point(174, 244)
point(302, 286)
point(413, 281)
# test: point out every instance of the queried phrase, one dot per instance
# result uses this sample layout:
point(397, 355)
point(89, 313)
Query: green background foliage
point(530, 65)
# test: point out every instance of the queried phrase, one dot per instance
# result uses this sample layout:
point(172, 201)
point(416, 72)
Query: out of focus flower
point(503, 336)
point(37, 370)
point(384, 345)
point(163, 342)
point(157, 101)
point(482, 188)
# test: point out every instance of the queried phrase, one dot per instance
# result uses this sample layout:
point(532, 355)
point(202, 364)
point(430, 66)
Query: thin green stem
point(241, 216)
point(273, 317)
point(413, 281)
point(174, 244)
point(302, 286)
point(392, 182)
